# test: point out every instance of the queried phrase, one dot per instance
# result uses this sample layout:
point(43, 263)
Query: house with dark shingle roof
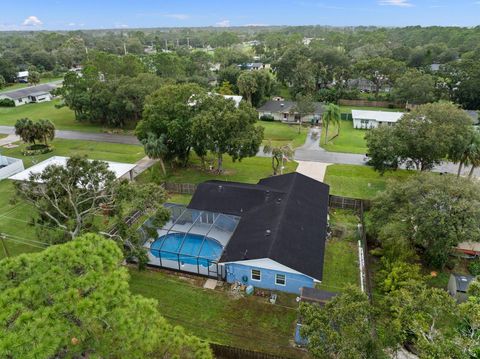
point(35, 94)
point(279, 242)
point(282, 110)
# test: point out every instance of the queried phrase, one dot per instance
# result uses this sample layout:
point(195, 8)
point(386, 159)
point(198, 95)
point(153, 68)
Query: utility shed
point(458, 286)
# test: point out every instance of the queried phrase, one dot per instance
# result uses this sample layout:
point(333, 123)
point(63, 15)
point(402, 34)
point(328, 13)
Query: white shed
point(371, 119)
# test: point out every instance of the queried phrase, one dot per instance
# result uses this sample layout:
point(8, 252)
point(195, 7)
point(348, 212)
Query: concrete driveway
point(315, 170)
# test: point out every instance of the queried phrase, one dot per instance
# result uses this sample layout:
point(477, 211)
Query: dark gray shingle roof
point(286, 106)
point(28, 91)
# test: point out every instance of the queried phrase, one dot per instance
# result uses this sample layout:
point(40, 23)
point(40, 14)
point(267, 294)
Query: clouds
point(223, 23)
point(399, 3)
point(32, 21)
point(177, 16)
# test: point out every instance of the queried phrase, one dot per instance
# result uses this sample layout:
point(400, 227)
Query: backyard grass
point(359, 181)
point(249, 170)
point(18, 86)
point(340, 268)
point(350, 140)
point(249, 322)
point(348, 109)
point(280, 134)
point(179, 198)
point(95, 150)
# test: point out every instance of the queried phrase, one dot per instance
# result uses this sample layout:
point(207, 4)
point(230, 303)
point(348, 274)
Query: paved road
point(310, 151)
point(87, 136)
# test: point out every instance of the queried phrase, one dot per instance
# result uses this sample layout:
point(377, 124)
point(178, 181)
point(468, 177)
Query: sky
point(108, 14)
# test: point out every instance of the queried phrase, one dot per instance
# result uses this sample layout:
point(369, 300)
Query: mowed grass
point(340, 268)
point(249, 170)
point(348, 109)
point(350, 140)
point(359, 181)
point(63, 118)
point(213, 315)
point(94, 150)
point(280, 134)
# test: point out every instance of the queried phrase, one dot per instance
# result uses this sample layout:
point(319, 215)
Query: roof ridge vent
point(220, 188)
point(268, 232)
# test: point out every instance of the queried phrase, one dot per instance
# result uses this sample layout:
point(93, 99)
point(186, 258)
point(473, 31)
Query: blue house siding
point(238, 272)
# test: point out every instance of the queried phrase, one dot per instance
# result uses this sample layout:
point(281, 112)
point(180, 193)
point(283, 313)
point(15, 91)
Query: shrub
point(6, 102)
point(474, 267)
point(37, 150)
point(267, 118)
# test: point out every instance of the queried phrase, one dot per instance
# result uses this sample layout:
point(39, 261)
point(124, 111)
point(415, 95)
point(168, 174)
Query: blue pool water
point(167, 247)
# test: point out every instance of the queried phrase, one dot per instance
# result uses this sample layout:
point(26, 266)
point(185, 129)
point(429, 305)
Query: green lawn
point(249, 170)
point(179, 198)
point(350, 140)
point(359, 181)
point(95, 150)
point(18, 86)
point(340, 267)
point(348, 109)
point(249, 323)
point(282, 134)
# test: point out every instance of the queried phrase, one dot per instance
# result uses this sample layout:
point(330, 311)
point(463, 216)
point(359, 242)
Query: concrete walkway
point(315, 170)
point(9, 140)
point(142, 165)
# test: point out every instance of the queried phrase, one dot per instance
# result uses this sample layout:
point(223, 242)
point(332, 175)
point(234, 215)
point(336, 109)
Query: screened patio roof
point(184, 221)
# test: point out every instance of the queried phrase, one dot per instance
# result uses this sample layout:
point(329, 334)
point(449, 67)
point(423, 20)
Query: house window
point(280, 279)
point(256, 274)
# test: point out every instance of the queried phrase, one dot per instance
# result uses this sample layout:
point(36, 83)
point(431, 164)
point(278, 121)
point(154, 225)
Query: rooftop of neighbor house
point(29, 91)
point(283, 218)
point(286, 106)
point(380, 116)
point(119, 169)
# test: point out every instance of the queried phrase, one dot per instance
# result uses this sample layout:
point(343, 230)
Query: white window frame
point(284, 279)
point(259, 275)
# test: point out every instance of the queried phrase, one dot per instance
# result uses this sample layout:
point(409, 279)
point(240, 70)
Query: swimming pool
point(187, 248)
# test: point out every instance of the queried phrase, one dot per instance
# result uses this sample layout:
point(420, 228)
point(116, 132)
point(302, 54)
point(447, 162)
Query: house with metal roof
point(284, 111)
point(370, 119)
point(32, 94)
point(269, 235)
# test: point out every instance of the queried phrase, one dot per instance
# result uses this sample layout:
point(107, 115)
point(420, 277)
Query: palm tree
point(155, 147)
point(331, 116)
point(279, 154)
point(470, 154)
point(24, 128)
point(46, 130)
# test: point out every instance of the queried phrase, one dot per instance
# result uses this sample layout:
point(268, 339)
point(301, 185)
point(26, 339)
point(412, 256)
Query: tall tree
point(69, 197)
point(432, 213)
point(331, 117)
point(169, 112)
point(34, 78)
point(226, 129)
point(45, 130)
point(156, 147)
point(247, 85)
point(380, 71)
point(79, 306)
point(383, 148)
point(415, 87)
point(342, 328)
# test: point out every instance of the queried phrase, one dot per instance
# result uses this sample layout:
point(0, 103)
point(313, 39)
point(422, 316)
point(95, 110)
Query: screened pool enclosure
point(191, 241)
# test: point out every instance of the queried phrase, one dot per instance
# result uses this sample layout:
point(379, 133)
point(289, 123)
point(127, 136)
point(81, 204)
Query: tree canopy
point(73, 301)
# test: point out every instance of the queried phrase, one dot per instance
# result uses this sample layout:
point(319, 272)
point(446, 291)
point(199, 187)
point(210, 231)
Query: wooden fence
point(354, 204)
point(367, 103)
point(227, 352)
point(180, 188)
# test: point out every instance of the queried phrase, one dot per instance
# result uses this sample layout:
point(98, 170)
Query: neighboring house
point(35, 94)
point(121, 170)
point(284, 111)
point(269, 235)
point(10, 166)
point(237, 99)
point(255, 66)
point(469, 249)
point(473, 115)
point(458, 286)
point(435, 67)
point(371, 119)
point(22, 76)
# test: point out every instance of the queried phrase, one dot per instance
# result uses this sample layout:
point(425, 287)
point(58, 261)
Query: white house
point(35, 94)
point(121, 170)
point(10, 166)
point(371, 119)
